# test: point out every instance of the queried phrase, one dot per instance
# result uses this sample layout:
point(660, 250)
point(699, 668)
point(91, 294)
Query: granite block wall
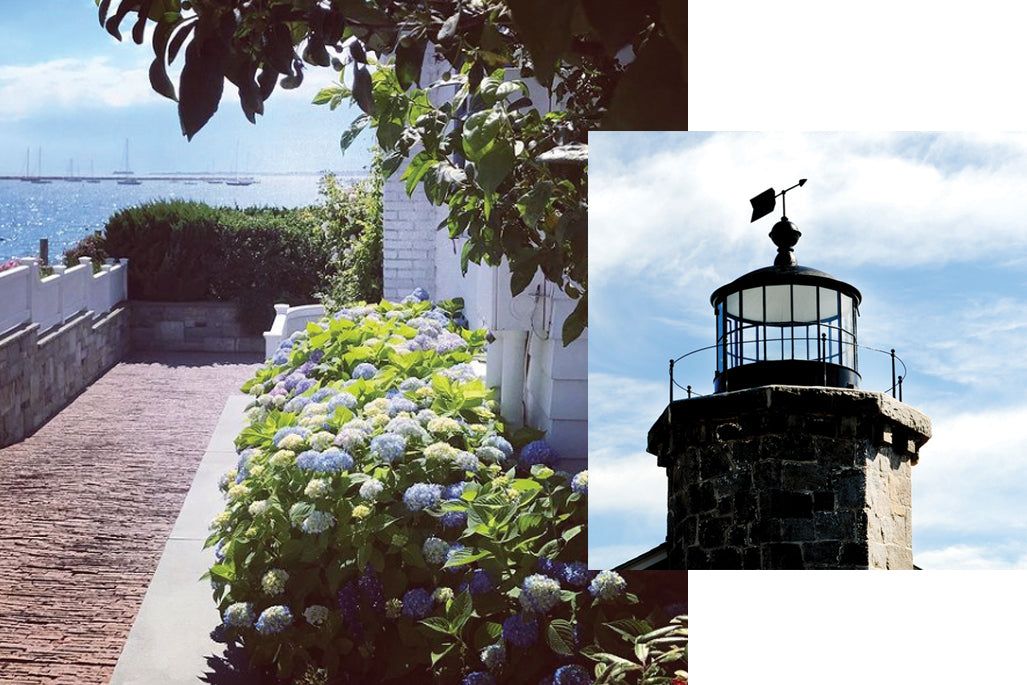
point(790, 478)
point(191, 327)
point(40, 374)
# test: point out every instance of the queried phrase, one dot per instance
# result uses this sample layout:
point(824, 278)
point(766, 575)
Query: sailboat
point(127, 172)
point(237, 180)
point(71, 173)
point(39, 170)
point(91, 178)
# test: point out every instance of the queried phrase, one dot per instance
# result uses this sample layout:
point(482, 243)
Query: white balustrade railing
point(26, 298)
point(287, 321)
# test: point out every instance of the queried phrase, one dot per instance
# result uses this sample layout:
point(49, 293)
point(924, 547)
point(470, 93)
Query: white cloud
point(973, 558)
point(71, 85)
point(879, 199)
point(604, 557)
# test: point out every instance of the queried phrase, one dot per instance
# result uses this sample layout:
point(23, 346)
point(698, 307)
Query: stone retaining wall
point(39, 375)
point(190, 327)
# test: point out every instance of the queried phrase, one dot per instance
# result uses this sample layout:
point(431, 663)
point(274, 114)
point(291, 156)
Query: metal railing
point(895, 389)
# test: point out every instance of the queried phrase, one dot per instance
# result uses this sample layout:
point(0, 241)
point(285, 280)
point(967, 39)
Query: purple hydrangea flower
point(350, 607)
point(520, 630)
point(479, 678)
point(293, 379)
point(417, 603)
point(371, 590)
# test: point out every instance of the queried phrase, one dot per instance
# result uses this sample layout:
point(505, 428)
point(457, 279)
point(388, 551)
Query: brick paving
point(87, 504)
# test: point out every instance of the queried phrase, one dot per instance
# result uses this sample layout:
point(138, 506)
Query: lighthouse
point(789, 463)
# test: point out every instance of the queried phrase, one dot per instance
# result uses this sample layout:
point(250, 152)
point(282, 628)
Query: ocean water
point(64, 211)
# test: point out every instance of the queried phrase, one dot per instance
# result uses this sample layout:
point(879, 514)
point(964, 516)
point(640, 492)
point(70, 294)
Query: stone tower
point(788, 464)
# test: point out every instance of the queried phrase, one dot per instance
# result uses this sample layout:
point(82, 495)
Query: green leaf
point(480, 130)
point(652, 94)
point(545, 27)
point(495, 165)
point(409, 56)
point(462, 557)
point(532, 204)
point(415, 171)
point(575, 322)
point(560, 636)
point(438, 624)
point(362, 88)
point(202, 81)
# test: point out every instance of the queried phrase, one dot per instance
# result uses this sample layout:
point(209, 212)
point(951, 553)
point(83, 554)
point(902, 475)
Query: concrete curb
point(170, 640)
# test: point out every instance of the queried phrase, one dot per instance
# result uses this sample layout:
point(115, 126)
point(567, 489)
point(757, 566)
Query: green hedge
point(181, 251)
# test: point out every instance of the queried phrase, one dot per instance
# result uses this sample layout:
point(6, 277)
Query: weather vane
point(763, 204)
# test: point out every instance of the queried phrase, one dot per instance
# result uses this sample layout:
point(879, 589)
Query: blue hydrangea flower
point(370, 489)
point(462, 373)
point(417, 603)
point(481, 582)
point(540, 593)
point(342, 399)
point(371, 590)
point(293, 379)
point(579, 483)
point(411, 384)
point(538, 452)
point(296, 405)
point(333, 460)
point(550, 567)
point(349, 604)
point(607, 585)
point(489, 454)
point(466, 461)
point(238, 615)
point(500, 443)
point(304, 385)
point(289, 430)
point(317, 355)
point(280, 358)
point(323, 394)
point(520, 630)
point(422, 496)
point(317, 522)
point(274, 619)
point(407, 427)
point(401, 404)
point(571, 674)
point(308, 459)
point(365, 371)
point(388, 446)
point(576, 574)
point(448, 342)
point(437, 315)
point(493, 656)
point(455, 490)
point(479, 678)
point(453, 519)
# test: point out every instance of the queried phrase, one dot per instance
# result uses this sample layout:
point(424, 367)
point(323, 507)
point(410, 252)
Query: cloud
point(877, 199)
point(973, 558)
point(71, 85)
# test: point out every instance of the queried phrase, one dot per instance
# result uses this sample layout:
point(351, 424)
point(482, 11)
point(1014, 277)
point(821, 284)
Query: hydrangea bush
point(381, 526)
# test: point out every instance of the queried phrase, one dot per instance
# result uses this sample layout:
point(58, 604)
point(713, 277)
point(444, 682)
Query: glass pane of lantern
point(805, 299)
point(779, 304)
point(752, 304)
point(847, 313)
point(732, 304)
point(828, 304)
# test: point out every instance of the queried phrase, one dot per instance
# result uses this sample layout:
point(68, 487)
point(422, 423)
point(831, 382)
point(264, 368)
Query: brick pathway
point(87, 504)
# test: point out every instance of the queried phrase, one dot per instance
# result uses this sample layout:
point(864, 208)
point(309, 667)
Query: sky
point(69, 88)
point(929, 227)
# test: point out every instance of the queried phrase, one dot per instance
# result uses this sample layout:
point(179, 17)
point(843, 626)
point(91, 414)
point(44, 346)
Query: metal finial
point(784, 234)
